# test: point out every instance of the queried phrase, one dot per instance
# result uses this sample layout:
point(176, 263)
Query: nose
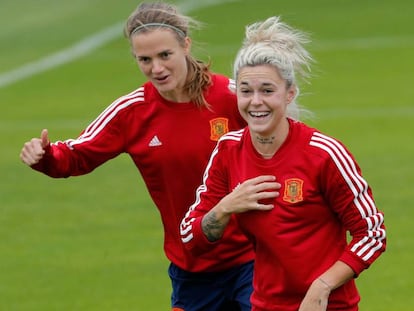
point(256, 98)
point(157, 66)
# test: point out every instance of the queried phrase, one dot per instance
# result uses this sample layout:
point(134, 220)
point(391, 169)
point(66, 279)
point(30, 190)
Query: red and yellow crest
point(218, 127)
point(293, 190)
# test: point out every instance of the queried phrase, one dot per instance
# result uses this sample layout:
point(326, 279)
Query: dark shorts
point(228, 290)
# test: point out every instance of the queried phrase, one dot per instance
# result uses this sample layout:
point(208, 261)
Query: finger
point(32, 151)
point(27, 157)
point(262, 178)
point(44, 136)
point(266, 199)
point(266, 186)
point(267, 195)
point(263, 207)
point(35, 147)
point(251, 183)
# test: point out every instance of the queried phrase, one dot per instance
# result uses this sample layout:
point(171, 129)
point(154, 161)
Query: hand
point(244, 197)
point(252, 195)
point(316, 298)
point(33, 150)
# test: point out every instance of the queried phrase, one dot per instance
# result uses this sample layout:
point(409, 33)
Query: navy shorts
point(228, 290)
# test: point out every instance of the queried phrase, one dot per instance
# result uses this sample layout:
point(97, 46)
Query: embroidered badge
point(293, 190)
point(218, 127)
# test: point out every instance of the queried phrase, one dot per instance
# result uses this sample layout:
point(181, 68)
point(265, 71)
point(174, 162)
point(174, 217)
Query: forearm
point(214, 222)
point(338, 274)
point(316, 298)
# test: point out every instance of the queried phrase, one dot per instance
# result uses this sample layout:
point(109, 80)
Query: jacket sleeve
point(208, 194)
point(99, 142)
point(350, 197)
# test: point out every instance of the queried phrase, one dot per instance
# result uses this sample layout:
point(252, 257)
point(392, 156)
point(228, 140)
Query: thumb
point(44, 136)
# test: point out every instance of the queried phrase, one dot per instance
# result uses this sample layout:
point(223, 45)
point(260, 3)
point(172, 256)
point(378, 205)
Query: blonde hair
point(149, 16)
point(275, 43)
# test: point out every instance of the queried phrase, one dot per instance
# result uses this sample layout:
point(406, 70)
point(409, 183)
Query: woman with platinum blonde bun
point(295, 191)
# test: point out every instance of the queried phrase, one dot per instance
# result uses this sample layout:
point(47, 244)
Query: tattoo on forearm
point(212, 228)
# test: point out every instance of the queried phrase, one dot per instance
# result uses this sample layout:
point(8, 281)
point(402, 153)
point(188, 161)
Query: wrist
point(223, 210)
point(325, 284)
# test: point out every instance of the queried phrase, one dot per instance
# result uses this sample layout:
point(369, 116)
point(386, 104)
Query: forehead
point(258, 74)
point(154, 41)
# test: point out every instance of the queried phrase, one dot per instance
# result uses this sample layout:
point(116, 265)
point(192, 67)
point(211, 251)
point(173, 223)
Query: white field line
point(94, 42)
point(69, 54)
point(84, 47)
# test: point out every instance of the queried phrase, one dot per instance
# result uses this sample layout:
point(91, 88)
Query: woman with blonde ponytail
point(293, 190)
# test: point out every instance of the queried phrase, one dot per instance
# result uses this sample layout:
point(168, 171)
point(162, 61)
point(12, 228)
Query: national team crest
point(293, 190)
point(218, 127)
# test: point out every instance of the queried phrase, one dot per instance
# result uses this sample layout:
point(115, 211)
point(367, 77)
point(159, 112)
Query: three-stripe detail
point(368, 245)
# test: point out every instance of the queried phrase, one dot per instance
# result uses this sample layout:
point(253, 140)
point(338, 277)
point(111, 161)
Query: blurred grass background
point(95, 242)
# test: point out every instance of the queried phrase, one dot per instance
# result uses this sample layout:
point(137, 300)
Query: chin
point(164, 88)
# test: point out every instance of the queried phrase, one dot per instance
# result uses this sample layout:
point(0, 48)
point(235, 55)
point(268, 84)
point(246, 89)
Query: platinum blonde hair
point(272, 42)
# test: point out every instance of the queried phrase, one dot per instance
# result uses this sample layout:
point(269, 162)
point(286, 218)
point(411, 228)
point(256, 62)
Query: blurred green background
point(95, 242)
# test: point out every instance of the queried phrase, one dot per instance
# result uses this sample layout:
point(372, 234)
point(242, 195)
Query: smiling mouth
point(259, 114)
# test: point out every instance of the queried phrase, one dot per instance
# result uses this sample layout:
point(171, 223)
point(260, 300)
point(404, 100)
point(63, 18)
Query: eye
point(143, 59)
point(268, 91)
point(165, 55)
point(244, 91)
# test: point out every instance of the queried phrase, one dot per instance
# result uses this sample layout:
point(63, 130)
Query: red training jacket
point(323, 196)
point(170, 143)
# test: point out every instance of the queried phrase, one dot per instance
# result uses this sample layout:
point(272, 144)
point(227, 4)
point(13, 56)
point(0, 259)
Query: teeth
point(258, 114)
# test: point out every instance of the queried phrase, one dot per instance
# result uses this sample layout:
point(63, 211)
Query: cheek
point(180, 64)
point(145, 69)
point(242, 105)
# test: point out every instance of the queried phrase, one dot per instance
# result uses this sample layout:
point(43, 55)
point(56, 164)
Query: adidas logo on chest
point(155, 142)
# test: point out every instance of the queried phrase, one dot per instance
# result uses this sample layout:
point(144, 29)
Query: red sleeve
point(208, 194)
point(351, 198)
point(102, 140)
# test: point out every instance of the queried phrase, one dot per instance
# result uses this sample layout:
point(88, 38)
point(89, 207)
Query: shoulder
point(232, 139)
point(139, 97)
point(326, 144)
point(130, 105)
point(227, 144)
point(223, 84)
point(135, 97)
point(222, 97)
point(233, 136)
point(325, 147)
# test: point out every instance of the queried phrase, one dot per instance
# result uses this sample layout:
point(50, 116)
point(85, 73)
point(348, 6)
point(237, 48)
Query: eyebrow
point(158, 54)
point(263, 84)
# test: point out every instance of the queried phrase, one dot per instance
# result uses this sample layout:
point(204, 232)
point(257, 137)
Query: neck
point(266, 155)
point(177, 94)
point(267, 146)
point(175, 97)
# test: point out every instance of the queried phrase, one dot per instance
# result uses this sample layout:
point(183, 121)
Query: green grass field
point(95, 242)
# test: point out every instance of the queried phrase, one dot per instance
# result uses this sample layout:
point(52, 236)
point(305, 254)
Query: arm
point(71, 157)
point(207, 218)
point(243, 198)
point(350, 198)
point(316, 298)
point(102, 140)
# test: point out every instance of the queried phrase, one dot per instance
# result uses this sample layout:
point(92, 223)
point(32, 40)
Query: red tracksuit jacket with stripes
point(170, 143)
point(323, 196)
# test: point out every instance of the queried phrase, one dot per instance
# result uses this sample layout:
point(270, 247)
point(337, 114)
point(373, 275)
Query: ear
point(187, 45)
point(291, 93)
